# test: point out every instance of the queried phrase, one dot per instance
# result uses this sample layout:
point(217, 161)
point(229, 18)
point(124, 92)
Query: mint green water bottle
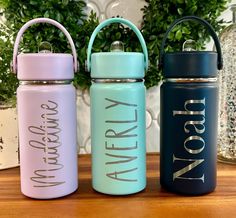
point(118, 116)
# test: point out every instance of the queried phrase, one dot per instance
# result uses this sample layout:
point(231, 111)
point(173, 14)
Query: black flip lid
point(191, 64)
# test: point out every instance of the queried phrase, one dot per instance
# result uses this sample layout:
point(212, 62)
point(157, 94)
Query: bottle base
point(118, 194)
point(186, 193)
point(40, 197)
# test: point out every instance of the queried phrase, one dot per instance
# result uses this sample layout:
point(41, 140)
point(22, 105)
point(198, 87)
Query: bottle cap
point(44, 65)
point(117, 63)
point(190, 63)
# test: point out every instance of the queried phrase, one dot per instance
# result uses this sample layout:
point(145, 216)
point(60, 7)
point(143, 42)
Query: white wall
point(227, 17)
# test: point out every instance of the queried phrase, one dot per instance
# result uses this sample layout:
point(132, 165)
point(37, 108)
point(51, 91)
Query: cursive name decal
point(46, 140)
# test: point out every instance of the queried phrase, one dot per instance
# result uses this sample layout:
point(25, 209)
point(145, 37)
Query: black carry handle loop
point(209, 28)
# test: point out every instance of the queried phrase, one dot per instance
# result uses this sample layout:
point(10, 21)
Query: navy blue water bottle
point(188, 116)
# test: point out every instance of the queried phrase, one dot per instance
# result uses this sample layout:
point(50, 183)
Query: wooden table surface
point(152, 202)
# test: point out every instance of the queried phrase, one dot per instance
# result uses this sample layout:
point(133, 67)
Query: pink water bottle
point(46, 103)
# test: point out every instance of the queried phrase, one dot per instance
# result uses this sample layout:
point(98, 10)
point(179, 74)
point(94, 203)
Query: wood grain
point(152, 202)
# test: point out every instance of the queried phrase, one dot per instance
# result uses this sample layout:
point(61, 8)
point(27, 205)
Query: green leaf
point(180, 11)
point(46, 14)
point(171, 36)
point(185, 30)
point(33, 2)
point(100, 36)
point(59, 17)
point(128, 49)
point(152, 37)
point(107, 35)
point(65, 2)
point(193, 8)
point(178, 35)
point(118, 35)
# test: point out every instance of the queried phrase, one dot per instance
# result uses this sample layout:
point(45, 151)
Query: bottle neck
point(117, 80)
point(45, 82)
point(191, 80)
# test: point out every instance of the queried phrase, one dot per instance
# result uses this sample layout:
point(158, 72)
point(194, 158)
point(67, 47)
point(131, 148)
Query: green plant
point(8, 81)
point(102, 42)
point(159, 14)
point(70, 13)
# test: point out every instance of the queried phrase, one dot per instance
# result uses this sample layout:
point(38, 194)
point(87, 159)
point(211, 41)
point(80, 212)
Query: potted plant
point(158, 15)
point(8, 121)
